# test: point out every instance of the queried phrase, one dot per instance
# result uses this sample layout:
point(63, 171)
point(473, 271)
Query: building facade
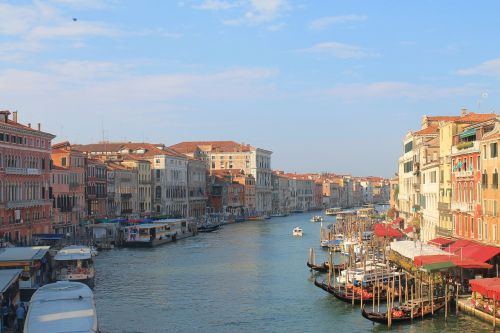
point(96, 188)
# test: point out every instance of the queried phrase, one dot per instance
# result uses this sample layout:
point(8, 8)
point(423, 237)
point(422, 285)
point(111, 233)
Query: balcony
point(416, 187)
point(444, 206)
point(464, 174)
point(443, 232)
point(465, 149)
point(466, 207)
point(126, 196)
point(23, 171)
point(126, 211)
point(26, 203)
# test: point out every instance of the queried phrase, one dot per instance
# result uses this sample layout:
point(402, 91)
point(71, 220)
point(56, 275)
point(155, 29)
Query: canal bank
point(247, 277)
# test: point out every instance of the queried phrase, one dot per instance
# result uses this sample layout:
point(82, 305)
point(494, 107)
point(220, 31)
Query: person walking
point(20, 315)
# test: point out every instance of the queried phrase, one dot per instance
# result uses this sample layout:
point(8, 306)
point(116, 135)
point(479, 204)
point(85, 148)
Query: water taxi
point(148, 235)
point(333, 211)
point(366, 212)
point(62, 307)
point(74, 263)
point(317, 218)
point(344, 215)
point(297, 231)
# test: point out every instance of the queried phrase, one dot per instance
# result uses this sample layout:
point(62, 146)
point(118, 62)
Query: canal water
point(247, 277)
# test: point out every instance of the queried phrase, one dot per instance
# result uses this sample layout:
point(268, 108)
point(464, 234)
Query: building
point(302, 192)
point(122, 191)
point(282, 193)
point(489, 195)
point(226, 195)
point(143, 168)
point(223, 155)
point(394, 192)
point(25, 207)
point(96, 188)
point(68, 189)
point(197, 187)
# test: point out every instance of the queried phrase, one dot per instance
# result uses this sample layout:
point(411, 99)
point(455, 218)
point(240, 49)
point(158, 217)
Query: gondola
point(323, 268)
point(209, 228)
point(345, 295)
point(403, 313)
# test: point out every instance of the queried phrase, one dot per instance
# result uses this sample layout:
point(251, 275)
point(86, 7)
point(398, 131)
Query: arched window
point(158, 192)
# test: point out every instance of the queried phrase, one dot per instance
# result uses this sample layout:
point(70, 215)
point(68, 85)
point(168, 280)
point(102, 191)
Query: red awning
point(489, 287)
point(384, 230)
point(481, 253)
point(456, 246)
point(437, 258)
point(408, 230)
point(397, 221)
point(440, 241)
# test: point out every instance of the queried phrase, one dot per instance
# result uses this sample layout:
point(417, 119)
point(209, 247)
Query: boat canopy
point(489, 287)
point(73, 252)
point(23, 253)
point(8, 277)
point(62, 307)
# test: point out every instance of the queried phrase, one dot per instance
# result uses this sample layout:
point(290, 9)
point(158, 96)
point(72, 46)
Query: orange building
point(24, 179)
point(490, 196)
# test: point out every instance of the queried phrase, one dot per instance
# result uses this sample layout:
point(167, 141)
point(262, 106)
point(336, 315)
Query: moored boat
point(323, 268)
point(74, 263)
point(148, 235)
point(406, 312)
point(317, 218)
point(333, 211)
point(209, 227)
point(346, 294)
point(62, 307)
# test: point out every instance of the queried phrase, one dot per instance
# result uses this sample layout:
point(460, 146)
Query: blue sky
point(326, 85)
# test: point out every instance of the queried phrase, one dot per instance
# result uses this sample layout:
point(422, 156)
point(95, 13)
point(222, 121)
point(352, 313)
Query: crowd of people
point(13, 315)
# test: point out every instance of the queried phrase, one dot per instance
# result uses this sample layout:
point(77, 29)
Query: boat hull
point(382, 318)
point(90, 281)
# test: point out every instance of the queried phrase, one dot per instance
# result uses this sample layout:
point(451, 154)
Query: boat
point(256, 218)
point(297, 231)
point(404, 312)
point(74, 263)
point(343, 215)
point(209, 227)
point(333, 211)
point(323, 268)
point(346, 295)
point(148, 235)
point(240, 218)
point(279, 215)
point(366, 212)
point(317, 218)
point(63, 306)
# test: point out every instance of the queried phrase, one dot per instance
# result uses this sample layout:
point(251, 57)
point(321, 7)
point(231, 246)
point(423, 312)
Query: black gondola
point(404, 312)
point(209, 228)
point(323, 268)
point(346, 295)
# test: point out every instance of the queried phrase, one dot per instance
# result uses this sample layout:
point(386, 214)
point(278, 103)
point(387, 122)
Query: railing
point(490, 213)
point(444, 206)
point(126, 195)
point(23, 171)
point(462, 206)
point(26, 203)
point(456, 151)
point(462, 174)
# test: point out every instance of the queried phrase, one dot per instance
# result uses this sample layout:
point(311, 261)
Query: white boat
point(333, 211)
point(317, 218)
point(297, 232)
point(62, 307)
point(74, 263)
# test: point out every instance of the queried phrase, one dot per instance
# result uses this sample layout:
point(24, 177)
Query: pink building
point(24, 179)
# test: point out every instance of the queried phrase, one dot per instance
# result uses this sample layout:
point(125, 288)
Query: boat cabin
point(74, 263)
point(62, 307)
point(34, 263)
point(148, 234)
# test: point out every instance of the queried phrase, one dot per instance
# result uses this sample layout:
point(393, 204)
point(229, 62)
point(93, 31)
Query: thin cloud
point(325, 22)
point(260, 11)
point(487, 68)
point(216, 5)
point(339, 50)
point(398, 90)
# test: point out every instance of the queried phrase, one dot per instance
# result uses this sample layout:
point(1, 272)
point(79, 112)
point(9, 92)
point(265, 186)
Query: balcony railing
point(456, 151)
point(462, 206)
point(26, 203)
point(23, 171)
point(462, 174)
point(444, 206)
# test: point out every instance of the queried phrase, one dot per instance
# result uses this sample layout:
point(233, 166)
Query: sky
point(326, 85)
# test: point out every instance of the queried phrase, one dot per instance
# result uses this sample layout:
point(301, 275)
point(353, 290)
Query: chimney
point(14, 116)
point(464, 112)
point(29, 125)
point(39, 126)
point(4, 116)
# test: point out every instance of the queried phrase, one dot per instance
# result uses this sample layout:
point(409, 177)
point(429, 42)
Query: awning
point(408, 230)
point(397, 221)
point(467, 133)
point(456, 246)
point(456, 260)
point(438, 266)
point(384, 230)
point(440, 241)
point(481, 253)
point(431, 259)
point(489, 287)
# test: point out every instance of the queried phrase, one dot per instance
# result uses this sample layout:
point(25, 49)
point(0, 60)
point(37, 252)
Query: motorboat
point(333, 211)
point(297, 231)
point(63, 306)
point(317, 218)
point(74, 263)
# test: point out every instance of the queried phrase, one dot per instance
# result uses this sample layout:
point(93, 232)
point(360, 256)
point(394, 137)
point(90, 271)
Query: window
point(408, 146)
point(494, 233)
point(494, 208)
point(484, 152)
point(493, 150)
point(472, 226)
point(485, 226)
point(158, 174)
point(480, 229)
point(433, 177)
point(484, 180)
point(63, 161)
point(478, 163)
point(158, 192)
point(495, 179)
point(471, 164)
point(1, 136)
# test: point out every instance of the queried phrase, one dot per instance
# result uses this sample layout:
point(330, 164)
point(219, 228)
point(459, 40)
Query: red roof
point(384, 230)
point(440, 241)
point(478, 252)
point(461, 243)
point(489, 287)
